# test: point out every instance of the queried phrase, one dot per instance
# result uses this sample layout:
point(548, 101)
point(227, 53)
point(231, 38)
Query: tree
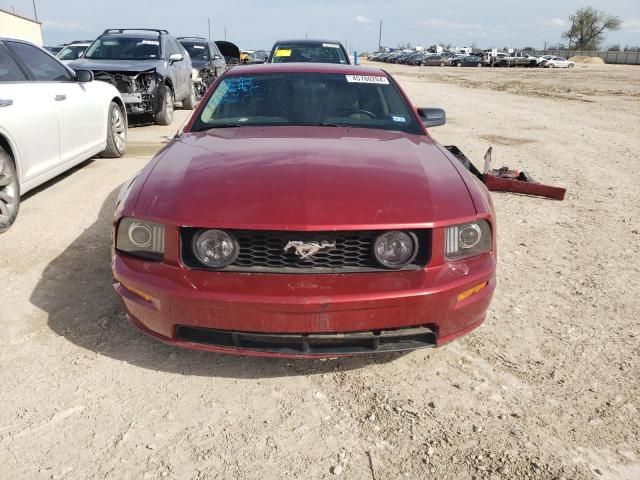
point(588, 28)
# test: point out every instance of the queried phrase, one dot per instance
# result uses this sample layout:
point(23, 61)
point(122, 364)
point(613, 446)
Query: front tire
point(116, 133)
point(189, 103)
point(9, 191)
point(165, 115)
point(479, 65)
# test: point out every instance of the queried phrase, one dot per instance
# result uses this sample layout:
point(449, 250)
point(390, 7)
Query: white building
point(17, 26)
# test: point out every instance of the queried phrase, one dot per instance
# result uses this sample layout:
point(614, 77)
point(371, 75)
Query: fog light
point(215, 248)
point(395, 249)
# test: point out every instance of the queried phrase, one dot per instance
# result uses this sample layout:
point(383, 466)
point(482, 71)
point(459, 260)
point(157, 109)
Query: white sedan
point(557, 62)
point(51, 119)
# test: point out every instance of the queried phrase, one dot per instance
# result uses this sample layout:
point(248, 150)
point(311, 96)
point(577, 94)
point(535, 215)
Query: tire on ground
point(165, 113)
point(116, 126)
point(189, 103)
point(8, 175)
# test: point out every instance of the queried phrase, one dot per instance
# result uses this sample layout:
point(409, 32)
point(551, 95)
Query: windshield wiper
point(323, 124)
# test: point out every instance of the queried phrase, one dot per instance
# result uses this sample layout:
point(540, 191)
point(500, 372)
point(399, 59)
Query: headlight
point(140, 238)
point(395, 249)
point(467, 240)
point(215, 248)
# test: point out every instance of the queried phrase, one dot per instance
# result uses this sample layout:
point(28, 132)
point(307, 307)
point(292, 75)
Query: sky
point(257, 24)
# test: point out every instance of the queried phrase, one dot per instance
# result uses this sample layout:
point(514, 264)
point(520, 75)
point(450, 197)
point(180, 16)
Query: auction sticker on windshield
point(367, 79)
point(330, 45)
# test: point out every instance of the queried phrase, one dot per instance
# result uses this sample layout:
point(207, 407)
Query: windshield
point(307, 99)
point(72, 52)
point(306, 52)
point(124, 48)
point(197, 51)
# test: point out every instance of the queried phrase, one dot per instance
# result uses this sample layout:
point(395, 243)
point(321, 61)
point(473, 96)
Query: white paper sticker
point(330, 45)
point(199, 47)
point(399, 119)
point(150, 42)
point(367, 79)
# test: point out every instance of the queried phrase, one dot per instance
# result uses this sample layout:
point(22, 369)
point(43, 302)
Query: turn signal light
point(472, 291)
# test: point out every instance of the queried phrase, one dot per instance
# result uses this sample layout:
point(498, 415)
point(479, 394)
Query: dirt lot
point(548, 388)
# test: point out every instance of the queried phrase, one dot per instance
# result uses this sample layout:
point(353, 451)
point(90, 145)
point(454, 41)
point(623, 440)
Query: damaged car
point(149, 67)
point(206, 59)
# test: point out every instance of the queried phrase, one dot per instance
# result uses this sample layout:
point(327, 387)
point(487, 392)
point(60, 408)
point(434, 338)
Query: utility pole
point(35, 11)
point(380, 37)
point(573, 23)
point(225, 33)
point(209, 27)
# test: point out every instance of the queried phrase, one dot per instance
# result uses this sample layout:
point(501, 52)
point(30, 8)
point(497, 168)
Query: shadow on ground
point(76, 291)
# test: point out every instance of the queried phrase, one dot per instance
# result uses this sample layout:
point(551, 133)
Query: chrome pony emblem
point(308, 250)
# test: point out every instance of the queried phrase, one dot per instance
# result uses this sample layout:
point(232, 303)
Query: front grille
point(313, 344)
point(264, 251)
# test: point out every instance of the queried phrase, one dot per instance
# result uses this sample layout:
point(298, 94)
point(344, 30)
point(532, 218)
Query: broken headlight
point(147, 82)
point(467, 240)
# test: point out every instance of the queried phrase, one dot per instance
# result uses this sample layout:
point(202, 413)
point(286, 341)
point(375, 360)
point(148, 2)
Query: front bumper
point(303, 315)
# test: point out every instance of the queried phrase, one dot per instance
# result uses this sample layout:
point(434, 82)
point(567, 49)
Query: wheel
point(9, 191)
point(116, 133)
point(551, 65)
point(165, 115)
point(442, 64)
point(458, 64)
point(189, 103)
point(479, 65)
point(571, 65)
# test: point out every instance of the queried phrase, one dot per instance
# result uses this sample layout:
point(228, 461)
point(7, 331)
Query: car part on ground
point(51, 119)
point(506, 180)
point(308, 51)
point(343, 259)
point(142, 64)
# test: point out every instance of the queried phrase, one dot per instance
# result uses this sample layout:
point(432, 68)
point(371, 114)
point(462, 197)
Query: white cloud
point(439, 22)
point(632, 24)
point(362, 19)
point(64, 26)
point(555, 22)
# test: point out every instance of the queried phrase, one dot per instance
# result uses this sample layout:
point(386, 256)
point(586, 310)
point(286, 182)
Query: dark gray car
point(149, 67)
point(307, 50)
point(207, 61)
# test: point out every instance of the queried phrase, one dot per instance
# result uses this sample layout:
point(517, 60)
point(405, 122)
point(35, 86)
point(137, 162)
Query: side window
point(9, 70)
point(172, 47)
point(41, 66)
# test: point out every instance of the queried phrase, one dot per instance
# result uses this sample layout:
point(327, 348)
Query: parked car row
point(479, 59)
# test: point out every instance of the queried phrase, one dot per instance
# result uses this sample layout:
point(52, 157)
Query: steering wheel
point(364, 112)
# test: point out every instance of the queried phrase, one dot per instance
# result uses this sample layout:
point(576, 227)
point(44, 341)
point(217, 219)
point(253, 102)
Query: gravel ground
point(548, 388)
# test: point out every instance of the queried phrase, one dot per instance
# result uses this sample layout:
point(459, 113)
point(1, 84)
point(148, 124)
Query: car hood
point(115, 65)
point(303, 178)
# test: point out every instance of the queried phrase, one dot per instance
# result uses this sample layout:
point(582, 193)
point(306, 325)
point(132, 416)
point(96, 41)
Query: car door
point(28, 117)
point(180, 70)
point(219, 63)
point(80, 109)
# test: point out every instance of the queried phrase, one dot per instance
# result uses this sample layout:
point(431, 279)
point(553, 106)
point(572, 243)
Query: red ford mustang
point(305, 212)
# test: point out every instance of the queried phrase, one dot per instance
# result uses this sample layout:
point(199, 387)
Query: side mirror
point(432, 117)
point(176, 57)
point(84, 76)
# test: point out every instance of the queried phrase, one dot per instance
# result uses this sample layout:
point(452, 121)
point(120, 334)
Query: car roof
point(306, 68)
point(308, 41)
